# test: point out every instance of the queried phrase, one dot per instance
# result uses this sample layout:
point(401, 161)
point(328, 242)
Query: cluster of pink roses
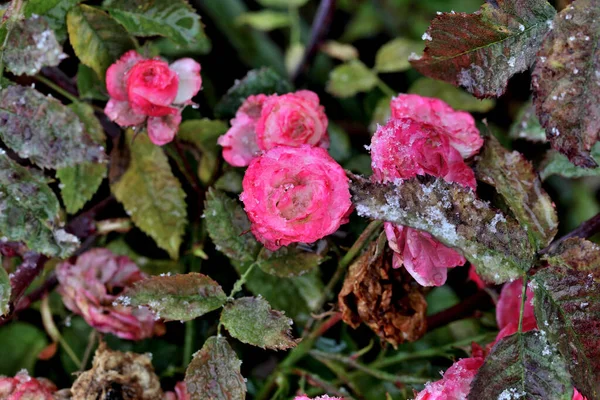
point(424, 136)
point(24, 387)
point(152, 91)
point(293, 190)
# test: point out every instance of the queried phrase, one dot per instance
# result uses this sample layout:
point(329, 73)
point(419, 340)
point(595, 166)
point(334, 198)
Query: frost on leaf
point(527, 125)
point(523, 366)
point(387, 300)
point(575, 253)
point(567, 301)
point(516, 181)
point(566, 82)
point(29, 211)
point(292, 260)
point(481, 51)
point(181, 297)
point(45, 131)
point(214, 373)
point(251, 320)
point(152, 195)
point(499, 247)
point(31, 46)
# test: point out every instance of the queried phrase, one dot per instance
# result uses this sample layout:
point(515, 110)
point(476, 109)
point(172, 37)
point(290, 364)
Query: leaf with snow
point(481, 51)
point(522, 366)
point(42, 129)
point(516, 181)
point(251, 320)
point(575, 253)
point(174, 19)
point(31, 46)
point(80, 182)
point(566, 82)
point(350, 78)
point(214, 373)
point(527, 125)
point(455, 97)
point(53, 11)
point(229, 228)
point(293, 260)
point(152, 195)
point(5, 290)
point(29, 211)
point(180, 297)
point(555, 163)
point(567, 308)
point(494, 242)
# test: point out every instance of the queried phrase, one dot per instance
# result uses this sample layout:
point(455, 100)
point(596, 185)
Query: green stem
point(388, 91)
point(188, 342)
point(523, 298)
point(360, 243)
point(56, 88)
point(237, 286)
point(294, 25)
point(53, 331)
point(15, 15)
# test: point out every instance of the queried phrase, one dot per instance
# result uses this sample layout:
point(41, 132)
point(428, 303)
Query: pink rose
point(456, 383)
point(180, 393)
point(509, 307)
point(91, 286)
point(459, 126)
point(578, 396)
point(151, 90)
point(24, 387)
point(264, 122)
point(403, 149)
point(295, 194)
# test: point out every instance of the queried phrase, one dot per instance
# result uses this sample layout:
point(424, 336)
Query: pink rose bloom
point(458, 125)
point(295, 194)
point(456, 383)
point(508, 310)
point(91, 286)
point(403, 149)
point(239, 143)
point(325, 397)
point(24, 387)
point(150, 90)
point(180, 393)
point(264, 122)
point(578, 396)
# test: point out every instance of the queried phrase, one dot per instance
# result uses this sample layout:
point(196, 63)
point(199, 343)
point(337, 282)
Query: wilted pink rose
point(151, 89)
point(456, 383)
point(403, 149)
point(239, 143)
point(90, 288)
point(295, 194)
point(458, 125)
point(180, 393)
point(509, 307)
point(324, 397)
point(24, 387)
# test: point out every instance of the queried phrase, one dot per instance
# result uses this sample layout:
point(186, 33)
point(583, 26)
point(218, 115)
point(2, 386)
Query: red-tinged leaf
point(251, 320)
point(481, 51)
point(566, 82)
point(576, 253)
point(214, 373)
point(179, 297)
point(567, 308)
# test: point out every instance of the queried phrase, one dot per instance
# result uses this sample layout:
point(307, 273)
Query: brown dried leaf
point(117, 375)
point(387, 300)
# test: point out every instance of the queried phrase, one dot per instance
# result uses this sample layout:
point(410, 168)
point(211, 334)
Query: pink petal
point(116, 79)
point(456, 383)
point(239, 143)
point(162, 130)
point(190, 81)
point(121, 113)
point(509, 304)
point(476, 278)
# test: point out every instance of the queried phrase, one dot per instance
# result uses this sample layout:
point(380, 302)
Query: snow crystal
point(512, 61)
point(511, 393)
point(414, 57)
point(426, 36)
point(521, 27)
point(497, 218)
point(568, 16)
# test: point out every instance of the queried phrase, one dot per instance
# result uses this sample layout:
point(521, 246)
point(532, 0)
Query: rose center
point(294, 200)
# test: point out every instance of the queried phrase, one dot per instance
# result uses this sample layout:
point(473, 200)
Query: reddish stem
point(587, 229)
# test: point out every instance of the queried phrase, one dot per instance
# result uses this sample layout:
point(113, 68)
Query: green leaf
point(340, 51)
point(230, 181)
point(565, 82)
point(527, 125)
point(5, 290)
point(31, 46)
point(265, 20)
point(264, 80)
point(481, 51)
point(80, 182)
point(455, 97)
point(516, 181)
point(365, 23)
point(289, 261)
point(229, 227)
point(523, 365)
point(180, 297)
point(494, 242)
point(21, 344)
point(351, 78)
point(203, 133)
point(251, 320)
point(97, 39)
point(214, 373)
point(150, 266)
point(39, 7)
point(174, 19)
point(393, 56)
point(42, 129)
point(152, 195)
point(89, 85)
point(555, 163)
point(282, 3)
point(54, 11)
point(340, 147)
point(567, 308)
point(30, 211)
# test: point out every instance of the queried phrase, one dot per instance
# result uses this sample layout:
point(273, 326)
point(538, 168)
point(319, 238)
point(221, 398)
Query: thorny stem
point(523, 299)
point(56, 88)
